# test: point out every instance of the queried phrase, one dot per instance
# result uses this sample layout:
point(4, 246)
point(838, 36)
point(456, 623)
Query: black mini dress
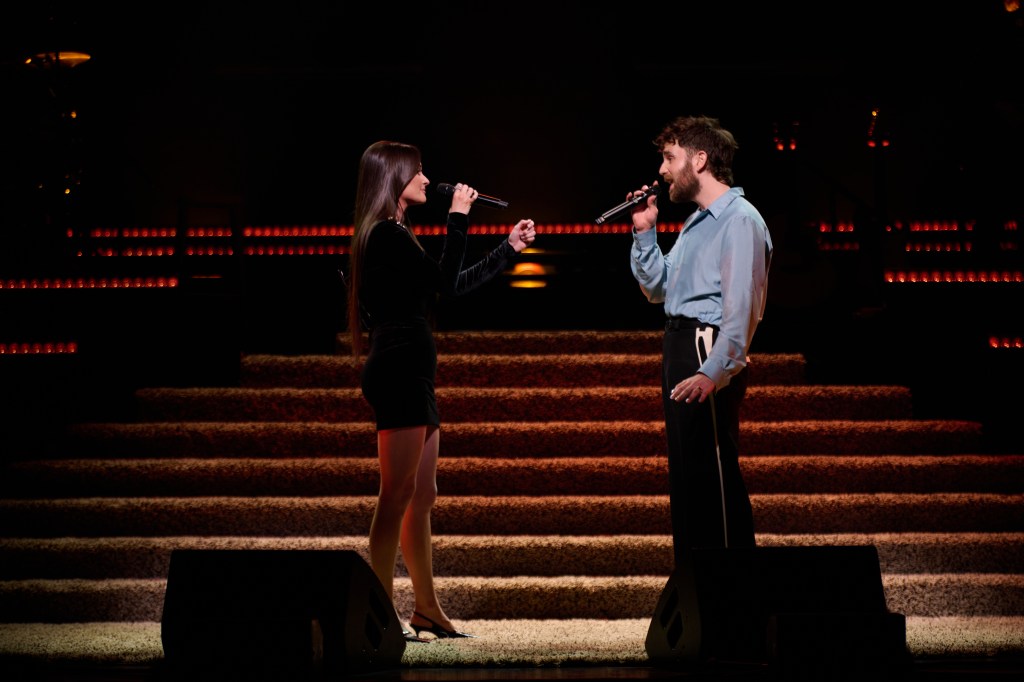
point(400, 285)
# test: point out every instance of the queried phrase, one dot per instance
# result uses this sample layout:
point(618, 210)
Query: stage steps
point(552, 483)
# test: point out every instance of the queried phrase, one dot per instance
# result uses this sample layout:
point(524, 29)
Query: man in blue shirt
point(713, 284)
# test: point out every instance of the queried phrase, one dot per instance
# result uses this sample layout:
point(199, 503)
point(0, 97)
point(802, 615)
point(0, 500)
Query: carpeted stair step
point(471, 404)
point(537, 342)
point(536, 597)
point(501, 439)
point(514, 476)
point(500, 371)
point(498, 515)
point(500, 555)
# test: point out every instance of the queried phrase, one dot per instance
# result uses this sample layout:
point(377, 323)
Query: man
point(713, 284)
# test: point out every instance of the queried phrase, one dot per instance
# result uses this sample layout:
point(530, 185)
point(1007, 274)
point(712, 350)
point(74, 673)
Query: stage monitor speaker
point(755, 605)
point(266, 613)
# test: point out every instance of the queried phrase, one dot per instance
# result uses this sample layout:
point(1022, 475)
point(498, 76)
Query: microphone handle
point(626, 205)
point(493, 202)
point(446, 189)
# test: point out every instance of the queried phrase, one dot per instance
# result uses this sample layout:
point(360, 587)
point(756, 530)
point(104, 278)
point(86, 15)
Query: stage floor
point(993, 669)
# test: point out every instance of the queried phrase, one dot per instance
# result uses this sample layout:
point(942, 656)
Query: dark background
point(551, 106)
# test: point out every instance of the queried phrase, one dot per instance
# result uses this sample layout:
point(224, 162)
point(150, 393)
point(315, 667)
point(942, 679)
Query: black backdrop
point(551, 106)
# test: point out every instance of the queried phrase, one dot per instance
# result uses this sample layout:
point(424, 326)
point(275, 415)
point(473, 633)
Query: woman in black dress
point(393, 285)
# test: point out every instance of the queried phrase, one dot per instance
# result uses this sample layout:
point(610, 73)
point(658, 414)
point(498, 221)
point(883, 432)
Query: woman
point(393, 285)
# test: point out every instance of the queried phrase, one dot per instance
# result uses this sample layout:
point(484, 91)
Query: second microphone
point(626, 205)
point(444, 189)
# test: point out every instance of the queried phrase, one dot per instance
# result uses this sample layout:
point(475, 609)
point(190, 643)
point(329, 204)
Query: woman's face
point(416, 191)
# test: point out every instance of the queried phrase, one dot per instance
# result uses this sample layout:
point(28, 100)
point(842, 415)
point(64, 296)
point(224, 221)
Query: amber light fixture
point(40, 348)
point(1006, 342)
point(877, 136)
point(954, 276)
point(48, 60)
point(524, 275)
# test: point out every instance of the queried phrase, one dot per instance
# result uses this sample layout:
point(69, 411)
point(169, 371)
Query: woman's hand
point(463, 198)
point(522, 235)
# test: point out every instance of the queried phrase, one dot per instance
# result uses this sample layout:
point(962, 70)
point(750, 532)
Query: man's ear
point(699, 159)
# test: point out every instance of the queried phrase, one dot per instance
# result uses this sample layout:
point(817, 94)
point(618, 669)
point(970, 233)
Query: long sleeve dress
point(400, 285)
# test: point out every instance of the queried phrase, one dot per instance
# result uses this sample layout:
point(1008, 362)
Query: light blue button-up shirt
point(716, 272)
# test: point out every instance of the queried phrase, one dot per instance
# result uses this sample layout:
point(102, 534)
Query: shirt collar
point(719, 205)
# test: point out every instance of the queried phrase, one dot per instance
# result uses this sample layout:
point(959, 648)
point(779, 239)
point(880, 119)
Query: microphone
point(626, 205)
point(444, 189)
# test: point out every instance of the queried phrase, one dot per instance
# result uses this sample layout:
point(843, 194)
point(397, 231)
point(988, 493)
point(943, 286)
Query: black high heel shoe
point(411, 637)
point(435, 629)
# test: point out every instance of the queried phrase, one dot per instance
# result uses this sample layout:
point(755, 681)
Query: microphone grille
point(445, 189)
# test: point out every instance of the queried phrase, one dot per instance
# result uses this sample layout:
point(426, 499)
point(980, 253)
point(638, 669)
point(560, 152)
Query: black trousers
point(710, 505)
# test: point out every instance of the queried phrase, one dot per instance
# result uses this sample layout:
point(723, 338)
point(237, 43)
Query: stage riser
point(498, 404)
point(496, 515)
point(553, 366)
point(520, 555)
point(776, 474)
point(555, 438)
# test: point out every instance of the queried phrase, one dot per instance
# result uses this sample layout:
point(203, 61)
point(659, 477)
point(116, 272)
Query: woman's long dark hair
point(384, 171)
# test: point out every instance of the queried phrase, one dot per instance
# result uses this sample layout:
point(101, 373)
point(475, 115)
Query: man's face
point(677, 170)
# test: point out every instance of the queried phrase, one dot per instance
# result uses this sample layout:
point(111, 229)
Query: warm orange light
point(1006, 342)
point(528, 270)
point(48, 59)
point(959, 276)
point(92, 283)
point(37, 348)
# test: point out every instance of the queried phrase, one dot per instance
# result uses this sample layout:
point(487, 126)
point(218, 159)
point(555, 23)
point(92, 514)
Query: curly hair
point(706, 134)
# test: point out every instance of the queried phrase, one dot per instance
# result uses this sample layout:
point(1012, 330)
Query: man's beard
point(684, 187)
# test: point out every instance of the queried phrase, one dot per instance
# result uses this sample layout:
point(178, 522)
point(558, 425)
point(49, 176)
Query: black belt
point(678, 322)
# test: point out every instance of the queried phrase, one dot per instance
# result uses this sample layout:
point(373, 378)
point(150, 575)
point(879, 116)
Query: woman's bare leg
point(417, 540)
point(400, 452)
